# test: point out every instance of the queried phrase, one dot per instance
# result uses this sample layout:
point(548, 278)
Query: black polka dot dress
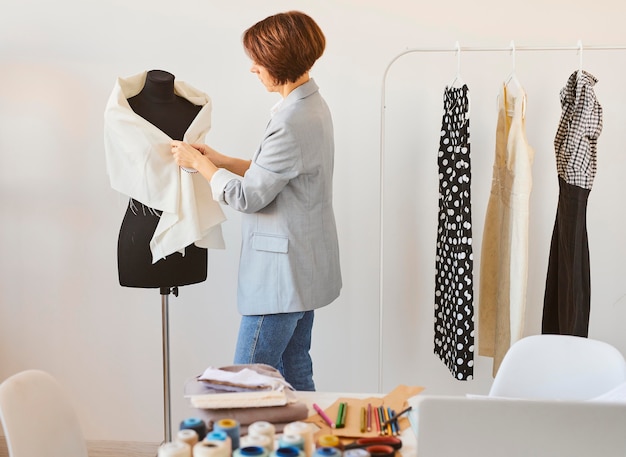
point(454, 296)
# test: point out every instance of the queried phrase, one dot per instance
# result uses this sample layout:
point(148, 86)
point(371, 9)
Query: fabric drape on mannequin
point(567, 298)
point(454, 308)
point(139, 165)
point(504, 254)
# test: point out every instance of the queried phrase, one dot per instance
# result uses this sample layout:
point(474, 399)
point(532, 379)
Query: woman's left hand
point(185, 155)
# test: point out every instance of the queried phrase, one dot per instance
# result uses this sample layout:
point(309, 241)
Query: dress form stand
point(158, 104)
point(167, 404)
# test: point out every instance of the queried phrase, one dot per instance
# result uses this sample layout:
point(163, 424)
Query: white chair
point(38, 417)
point(559, 367)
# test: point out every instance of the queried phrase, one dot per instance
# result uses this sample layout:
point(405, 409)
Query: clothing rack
point(458, 49)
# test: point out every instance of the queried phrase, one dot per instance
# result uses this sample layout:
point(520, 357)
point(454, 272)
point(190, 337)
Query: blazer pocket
point(271, 243)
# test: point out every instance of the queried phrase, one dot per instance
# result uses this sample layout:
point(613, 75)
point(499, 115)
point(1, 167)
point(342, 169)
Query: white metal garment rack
point(512, 48)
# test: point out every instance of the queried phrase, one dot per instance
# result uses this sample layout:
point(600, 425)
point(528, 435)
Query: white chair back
point(38, 418)
point(560, 367)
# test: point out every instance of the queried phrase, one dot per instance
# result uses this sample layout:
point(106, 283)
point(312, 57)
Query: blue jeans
point(282, 341)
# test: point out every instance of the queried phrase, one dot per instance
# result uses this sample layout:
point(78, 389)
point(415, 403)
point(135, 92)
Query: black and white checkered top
point(576, 138)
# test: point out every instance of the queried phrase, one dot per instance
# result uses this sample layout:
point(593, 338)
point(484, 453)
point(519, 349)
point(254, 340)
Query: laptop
point(460, 426)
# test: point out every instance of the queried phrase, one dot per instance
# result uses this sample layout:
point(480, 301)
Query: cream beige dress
point(504, 255)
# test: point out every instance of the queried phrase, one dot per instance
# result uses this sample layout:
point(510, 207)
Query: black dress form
point(172, 114)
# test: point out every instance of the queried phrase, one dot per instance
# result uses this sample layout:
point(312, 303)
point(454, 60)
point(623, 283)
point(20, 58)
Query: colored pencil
point(363, 419)
point(386, 418)
point(340, 415)
point(375, 419)
point(323, 415)
point(392, 423)
point(395, 416)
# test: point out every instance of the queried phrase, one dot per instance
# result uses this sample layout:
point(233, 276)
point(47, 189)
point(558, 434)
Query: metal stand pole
point(165, 292)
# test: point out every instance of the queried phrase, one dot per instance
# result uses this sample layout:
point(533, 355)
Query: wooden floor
point(107, 449)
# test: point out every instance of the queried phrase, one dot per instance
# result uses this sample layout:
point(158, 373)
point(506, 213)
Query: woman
point(289, 264)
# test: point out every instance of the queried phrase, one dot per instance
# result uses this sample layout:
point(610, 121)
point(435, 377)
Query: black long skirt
point(567, 298)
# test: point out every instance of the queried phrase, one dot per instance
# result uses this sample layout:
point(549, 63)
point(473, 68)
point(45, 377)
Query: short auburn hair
point(286, 44)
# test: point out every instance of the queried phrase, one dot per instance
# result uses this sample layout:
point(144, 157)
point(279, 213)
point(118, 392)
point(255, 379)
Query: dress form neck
point(159, 87)
point(158, 104)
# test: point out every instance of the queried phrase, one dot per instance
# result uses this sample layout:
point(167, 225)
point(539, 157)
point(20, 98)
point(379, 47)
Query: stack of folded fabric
point(245, 393)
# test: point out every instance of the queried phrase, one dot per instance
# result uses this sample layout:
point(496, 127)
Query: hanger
point(512, 79)
point(512, 84)
point(580, 57)
point(457, 81)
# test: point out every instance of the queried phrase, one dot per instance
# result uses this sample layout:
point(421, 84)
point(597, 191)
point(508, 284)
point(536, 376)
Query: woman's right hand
point(210, 153)
point(235, 165)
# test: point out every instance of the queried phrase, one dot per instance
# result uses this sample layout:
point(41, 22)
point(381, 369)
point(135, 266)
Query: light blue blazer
point(289, 255)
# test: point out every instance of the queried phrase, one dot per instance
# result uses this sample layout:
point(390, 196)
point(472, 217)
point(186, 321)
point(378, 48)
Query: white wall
point(61, 307)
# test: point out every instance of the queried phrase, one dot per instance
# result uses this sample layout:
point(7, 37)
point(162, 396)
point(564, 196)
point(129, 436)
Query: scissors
point(392, 441)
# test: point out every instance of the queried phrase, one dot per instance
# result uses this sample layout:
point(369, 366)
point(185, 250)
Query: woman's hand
point(206, 160)
point(185, 155)
point(188, 156)
point(218, 159)
point(232, 164)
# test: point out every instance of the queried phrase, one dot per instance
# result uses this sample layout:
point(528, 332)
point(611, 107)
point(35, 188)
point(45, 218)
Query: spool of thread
point(328, 441)
point(174, 449)
point(218, 435)
point(327, 452)
point(231, 428)
point(207, 448)
point(356, 453)
point(196, 424)
point(188, 436)
point(250, 451)
point(263, 428)
point(287, 451)
point(305, 431)
point(291, 441)
point(258, 440)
